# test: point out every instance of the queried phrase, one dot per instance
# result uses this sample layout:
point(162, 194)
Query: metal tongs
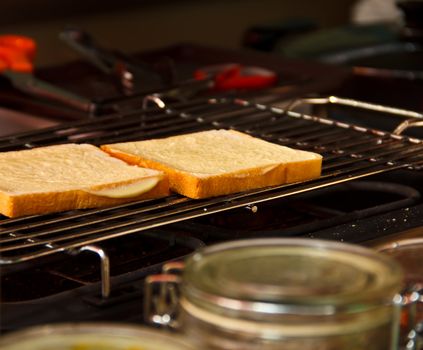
point(215, 79)
point(132, 75)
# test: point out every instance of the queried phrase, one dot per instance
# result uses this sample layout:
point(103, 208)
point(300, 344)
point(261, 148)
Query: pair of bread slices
point(198, 165)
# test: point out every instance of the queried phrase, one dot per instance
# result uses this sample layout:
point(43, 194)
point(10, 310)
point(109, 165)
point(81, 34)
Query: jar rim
point(233, 278)
point(118, 335)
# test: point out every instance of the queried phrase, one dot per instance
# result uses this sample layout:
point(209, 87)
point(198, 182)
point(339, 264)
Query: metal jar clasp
point(161, 295)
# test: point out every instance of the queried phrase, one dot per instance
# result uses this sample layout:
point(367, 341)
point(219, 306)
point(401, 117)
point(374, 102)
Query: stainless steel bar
point(330, 122)
point(347, 142)
point(252, 121)
point(358, 104)
point(160, 124)
point(168, 127)
point(189, 126)
point(59, 217)
point(77, 224)
point(406, 242)
point(154, 129)
point(157, 308)
point(372, 159)
point(306, 138)
point(157, 100)
point(207, 110)
point(324, 146)
point(393, 153)
point(173, 267)
point(302, 130)
point(72, 128)
point(280, 125)
point(407, 124)
point(30, 242)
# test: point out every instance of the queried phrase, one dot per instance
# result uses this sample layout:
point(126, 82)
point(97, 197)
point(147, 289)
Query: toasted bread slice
point(71, 176)
point(218, 162)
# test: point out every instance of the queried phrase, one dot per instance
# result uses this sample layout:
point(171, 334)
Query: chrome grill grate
point(350, 152)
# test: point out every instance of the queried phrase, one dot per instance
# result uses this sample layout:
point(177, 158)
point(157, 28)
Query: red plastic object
point(236, 76)
point(17, 53)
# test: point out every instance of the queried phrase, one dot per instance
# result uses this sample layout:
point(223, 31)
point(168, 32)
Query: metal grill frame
point(350, 152)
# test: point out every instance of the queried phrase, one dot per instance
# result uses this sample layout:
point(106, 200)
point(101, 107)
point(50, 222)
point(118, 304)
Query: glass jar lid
point(261, 278)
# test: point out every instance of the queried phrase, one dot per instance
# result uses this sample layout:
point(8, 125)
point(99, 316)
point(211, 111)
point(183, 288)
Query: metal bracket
point(155, 98)
point(104, 265)
point(399, 112)
point(407, 124)
point(160, 308)
point(173, 267)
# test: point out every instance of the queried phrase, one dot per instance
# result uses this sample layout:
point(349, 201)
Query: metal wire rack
point(350, 152)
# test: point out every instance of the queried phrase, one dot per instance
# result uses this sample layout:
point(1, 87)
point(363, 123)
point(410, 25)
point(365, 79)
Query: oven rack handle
point(412, 118)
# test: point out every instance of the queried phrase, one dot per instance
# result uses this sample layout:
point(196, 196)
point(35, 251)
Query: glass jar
point(289, 294)
point(408, 253)
point(92, 336)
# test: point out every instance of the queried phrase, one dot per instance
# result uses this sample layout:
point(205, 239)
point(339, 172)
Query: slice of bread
point(71, 176)
point(217, 162)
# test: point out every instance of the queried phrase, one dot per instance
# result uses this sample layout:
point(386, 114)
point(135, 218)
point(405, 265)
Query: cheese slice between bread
point(217, 162)
point(71, 176)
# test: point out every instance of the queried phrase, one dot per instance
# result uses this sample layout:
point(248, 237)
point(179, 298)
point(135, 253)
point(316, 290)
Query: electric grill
point(90, 264)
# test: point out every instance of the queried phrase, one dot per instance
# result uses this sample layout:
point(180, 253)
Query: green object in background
point(326, 41)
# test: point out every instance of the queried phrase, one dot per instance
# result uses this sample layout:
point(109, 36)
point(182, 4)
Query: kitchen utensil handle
point(29, 84)
point(84, 44)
